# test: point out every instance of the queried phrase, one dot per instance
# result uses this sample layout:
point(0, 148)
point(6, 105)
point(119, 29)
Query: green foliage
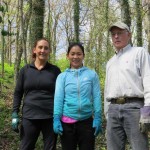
point(1, 19)
point(62, 63)
point(8, 138)
point(8, 75)
point(6, 88)
point(1, 8)
point(4, 32)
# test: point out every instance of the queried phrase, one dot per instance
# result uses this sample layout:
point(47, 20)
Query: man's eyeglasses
point(118, 33)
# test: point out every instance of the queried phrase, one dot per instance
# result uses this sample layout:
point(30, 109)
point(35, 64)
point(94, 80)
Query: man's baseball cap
point(120, 25)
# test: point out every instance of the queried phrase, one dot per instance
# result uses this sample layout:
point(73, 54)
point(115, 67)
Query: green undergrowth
point(9, 140)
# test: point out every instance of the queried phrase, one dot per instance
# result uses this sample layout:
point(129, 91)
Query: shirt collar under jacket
point(123, 50)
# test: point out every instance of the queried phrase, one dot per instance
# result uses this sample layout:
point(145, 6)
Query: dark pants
point(79, 134)
point(30, 131)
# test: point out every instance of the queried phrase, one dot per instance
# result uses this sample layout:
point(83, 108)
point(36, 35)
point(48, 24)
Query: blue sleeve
point(59, 95)
point(97, 105)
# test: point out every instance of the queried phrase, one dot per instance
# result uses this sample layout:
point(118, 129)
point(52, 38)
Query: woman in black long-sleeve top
point(35, 93)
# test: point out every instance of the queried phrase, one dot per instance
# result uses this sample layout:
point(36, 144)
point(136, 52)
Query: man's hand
point(144, 123)
point(144, 127)
point(15, 122)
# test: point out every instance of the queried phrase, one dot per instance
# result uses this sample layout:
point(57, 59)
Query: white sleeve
point(145, 73)
point(106, 103)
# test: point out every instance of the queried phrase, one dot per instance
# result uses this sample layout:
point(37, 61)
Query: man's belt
point(123, 100)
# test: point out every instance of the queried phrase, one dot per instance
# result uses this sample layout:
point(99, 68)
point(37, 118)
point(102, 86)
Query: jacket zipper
point(78, 86)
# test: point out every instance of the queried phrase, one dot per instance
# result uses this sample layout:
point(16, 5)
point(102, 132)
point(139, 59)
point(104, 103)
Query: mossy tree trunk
point(138, 23)
point(76, 20)
point(37, 20)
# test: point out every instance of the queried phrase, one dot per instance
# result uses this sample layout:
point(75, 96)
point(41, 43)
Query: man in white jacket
point(127, 92)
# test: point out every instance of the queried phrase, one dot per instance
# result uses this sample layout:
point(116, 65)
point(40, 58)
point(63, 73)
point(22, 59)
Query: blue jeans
point(79, 134)
point(123, 124)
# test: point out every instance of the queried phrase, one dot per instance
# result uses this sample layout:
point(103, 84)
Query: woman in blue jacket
point(77, 103)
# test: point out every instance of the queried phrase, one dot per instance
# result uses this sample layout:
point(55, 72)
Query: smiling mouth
point(75, 61)
point(42, 55)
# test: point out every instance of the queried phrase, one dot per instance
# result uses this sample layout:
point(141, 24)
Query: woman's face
point(42, 50)
point(75, 57)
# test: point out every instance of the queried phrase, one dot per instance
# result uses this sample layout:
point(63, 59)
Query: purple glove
point(144, 123)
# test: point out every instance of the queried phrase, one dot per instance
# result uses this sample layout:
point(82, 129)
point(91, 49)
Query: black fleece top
point(35, 91)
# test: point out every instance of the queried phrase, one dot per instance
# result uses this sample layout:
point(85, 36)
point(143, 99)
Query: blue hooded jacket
point(77, 94)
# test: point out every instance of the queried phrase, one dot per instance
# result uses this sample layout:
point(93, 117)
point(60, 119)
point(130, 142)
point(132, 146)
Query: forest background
point(61, 22)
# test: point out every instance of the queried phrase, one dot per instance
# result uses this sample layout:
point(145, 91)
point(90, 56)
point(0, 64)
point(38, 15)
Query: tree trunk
point(76, 20)
point(146, 5)
point(125, 13)
point(9, 44)
point(148, 16)
point(107, 26)
point(138, 23)
point(3, 46)
point(18, 47)
point(22, 32)
point(37, 20)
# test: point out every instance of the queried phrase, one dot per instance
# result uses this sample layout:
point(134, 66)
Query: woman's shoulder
point(53, 66)
point(89, 70)
point(25, 67)
point(62, 74)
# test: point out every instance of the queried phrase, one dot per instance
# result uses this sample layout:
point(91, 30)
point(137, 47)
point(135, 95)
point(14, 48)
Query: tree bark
point(138, 23)
point(37, 20)
point(76, 20)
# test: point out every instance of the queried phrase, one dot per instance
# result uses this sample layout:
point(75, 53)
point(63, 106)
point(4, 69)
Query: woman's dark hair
point(75, 44)
point(35, 44)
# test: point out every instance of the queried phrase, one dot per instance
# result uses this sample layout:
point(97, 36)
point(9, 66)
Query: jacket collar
point(76, 70)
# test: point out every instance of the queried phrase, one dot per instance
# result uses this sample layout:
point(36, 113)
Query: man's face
point(120, 37)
